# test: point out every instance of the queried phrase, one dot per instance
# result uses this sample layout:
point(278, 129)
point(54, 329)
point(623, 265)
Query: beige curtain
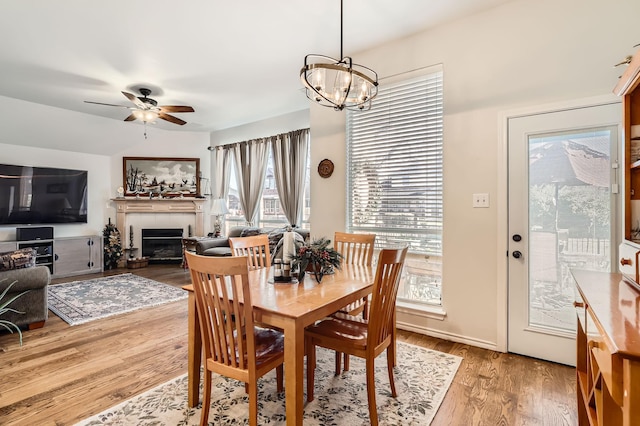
point(251, 163)
point(221, 171)
point(290, 156)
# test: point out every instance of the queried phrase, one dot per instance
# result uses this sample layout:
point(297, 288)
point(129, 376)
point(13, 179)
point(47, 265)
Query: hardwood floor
point(63, 374)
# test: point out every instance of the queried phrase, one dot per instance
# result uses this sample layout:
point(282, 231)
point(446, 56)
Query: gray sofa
point(220, 246)
point(33, 303)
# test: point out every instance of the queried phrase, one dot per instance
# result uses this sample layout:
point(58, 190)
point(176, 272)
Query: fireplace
point(162, 245)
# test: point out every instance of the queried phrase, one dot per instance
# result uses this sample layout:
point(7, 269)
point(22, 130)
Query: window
point(270, 214)
point(394, 181)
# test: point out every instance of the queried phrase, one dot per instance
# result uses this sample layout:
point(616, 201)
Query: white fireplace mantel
point(126, 206)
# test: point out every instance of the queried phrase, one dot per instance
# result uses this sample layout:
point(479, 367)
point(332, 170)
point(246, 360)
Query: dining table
point(290, 307)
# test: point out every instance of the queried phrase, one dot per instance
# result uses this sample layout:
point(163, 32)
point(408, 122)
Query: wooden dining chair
point(355, 249)
point(363, 338)
point(233, 346)
point(256, 248)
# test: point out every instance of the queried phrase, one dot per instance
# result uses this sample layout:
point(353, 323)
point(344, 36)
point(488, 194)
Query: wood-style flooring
point(63, 374)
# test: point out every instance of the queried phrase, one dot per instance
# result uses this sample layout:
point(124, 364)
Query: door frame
point(502, 199)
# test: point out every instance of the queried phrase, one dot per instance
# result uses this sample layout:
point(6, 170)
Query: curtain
point(221, 169)
point(290, 156)
point(251, 165)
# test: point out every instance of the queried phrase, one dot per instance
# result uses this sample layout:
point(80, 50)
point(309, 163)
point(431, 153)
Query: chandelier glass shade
point(338, 84)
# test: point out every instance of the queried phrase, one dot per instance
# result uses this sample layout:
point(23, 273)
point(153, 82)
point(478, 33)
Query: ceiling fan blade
point(130, 118)
point(176, 108)
point(100, 103)
point(135, 100)
point(171, 118)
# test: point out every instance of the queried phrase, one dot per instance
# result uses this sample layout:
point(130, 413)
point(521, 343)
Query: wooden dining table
point(290, 307)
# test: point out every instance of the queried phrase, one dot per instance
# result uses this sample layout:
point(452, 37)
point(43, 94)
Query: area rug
point(79, 302)
point(422, 378)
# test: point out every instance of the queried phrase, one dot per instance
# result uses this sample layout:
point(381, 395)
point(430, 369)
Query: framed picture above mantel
point(159, 176)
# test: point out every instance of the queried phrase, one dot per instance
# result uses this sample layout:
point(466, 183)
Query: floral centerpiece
point(317, 257)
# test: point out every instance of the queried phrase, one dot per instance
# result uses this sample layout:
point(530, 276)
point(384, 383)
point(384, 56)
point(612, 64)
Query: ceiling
point(235, 62)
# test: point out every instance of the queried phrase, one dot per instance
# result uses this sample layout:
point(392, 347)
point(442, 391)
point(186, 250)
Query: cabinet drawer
point(628, 261)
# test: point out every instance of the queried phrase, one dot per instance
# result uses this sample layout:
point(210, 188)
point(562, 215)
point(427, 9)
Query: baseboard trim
point(484, 344)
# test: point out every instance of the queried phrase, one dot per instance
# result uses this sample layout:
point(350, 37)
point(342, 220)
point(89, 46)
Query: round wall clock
point(325, 168)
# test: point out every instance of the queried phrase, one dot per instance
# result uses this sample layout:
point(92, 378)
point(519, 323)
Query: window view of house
point(570, 213)
point(394, 182)
point(270, 214)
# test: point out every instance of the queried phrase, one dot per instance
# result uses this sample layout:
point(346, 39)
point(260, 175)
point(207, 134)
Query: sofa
point(36, 279)
point(220, 246)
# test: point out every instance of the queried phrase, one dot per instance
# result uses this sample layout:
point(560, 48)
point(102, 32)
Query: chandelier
point(338, 84)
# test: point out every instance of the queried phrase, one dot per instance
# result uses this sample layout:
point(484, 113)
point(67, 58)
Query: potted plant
point(4, 308)
point(317, 257)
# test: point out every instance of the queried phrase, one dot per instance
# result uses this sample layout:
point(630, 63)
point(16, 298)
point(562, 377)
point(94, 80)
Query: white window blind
point(394, 158)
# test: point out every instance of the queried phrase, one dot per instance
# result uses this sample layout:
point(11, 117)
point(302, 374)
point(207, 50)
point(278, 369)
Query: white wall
point(260, 129)
point(72, 132)
point(523, 53)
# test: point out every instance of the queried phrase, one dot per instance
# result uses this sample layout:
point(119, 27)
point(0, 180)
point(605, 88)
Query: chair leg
point(206, 399)
point(365, 311)
point(279, 378)
point(338, 363)
point(253, 404)
point(371, 392)
point(311, 367)
point(392, 382)
point(346, 362)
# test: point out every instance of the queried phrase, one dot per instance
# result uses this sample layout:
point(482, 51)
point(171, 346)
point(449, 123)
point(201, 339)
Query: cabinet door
point(8, 246)
point(97, 258)
point(72, 256)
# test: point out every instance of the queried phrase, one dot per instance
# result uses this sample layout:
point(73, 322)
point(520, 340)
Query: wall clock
point(325, 168)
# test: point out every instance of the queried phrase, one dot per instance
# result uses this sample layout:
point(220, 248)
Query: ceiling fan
point(147, 109)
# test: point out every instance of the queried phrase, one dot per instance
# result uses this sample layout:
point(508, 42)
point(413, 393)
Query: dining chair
point(255, 247)
point(355, 249)
point(233, 345)
point(363, 338)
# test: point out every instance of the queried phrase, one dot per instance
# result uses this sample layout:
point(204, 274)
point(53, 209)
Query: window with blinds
point(394, 158)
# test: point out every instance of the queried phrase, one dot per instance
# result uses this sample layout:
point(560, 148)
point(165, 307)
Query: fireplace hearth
point(162, 245)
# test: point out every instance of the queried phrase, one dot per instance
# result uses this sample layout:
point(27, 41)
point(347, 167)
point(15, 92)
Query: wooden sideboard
point(608, 349)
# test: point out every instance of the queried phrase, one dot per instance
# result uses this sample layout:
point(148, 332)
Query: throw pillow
point(23, 258)
point(250, 232)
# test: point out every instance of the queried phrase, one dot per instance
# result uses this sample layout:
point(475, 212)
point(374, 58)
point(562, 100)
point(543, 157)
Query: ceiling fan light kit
point(338, 84)
point(147, 109)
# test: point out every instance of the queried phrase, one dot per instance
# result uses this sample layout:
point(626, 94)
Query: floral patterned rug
point(422, 379)
point(78, 302)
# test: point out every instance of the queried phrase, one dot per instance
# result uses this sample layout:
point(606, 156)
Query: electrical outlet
point(480, 200)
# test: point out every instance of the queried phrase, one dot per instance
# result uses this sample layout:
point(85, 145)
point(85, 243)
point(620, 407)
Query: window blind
point(394, 159)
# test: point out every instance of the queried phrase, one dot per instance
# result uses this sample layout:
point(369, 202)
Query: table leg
point(195, 353)
point(293, 372)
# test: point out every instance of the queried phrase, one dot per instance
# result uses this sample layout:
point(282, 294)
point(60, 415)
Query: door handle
point(517, 254)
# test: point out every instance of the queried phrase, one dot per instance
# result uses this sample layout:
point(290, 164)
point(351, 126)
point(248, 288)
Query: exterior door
point(563, 190)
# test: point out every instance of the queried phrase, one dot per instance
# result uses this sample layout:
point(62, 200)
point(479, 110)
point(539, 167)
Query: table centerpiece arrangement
point(316, 257)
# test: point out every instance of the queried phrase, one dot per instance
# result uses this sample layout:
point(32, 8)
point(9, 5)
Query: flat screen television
point(42, 195)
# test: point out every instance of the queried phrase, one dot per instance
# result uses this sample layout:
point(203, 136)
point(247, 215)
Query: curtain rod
point(229, 145)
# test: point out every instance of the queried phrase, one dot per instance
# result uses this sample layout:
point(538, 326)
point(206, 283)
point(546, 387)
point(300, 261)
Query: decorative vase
point(318, 270)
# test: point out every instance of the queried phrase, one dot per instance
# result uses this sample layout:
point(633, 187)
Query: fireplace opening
point(162, 245)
